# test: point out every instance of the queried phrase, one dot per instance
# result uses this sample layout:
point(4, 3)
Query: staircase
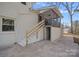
point(35, 29)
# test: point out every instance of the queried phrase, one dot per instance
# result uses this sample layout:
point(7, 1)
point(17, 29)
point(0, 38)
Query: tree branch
point(76, 8)
point(67, 7)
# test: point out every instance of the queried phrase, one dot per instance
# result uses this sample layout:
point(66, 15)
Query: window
point(7, 24)
point(53, 22)
point(56, 22)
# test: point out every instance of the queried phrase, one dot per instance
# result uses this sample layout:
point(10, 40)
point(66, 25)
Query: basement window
point(7, 24)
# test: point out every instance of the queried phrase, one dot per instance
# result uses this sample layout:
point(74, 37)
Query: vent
point(24, 3)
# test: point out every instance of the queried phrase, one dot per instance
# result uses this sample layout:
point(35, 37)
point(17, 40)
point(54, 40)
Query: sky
point(65, 19)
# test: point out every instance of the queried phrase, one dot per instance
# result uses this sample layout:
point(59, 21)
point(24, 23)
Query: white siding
point(55, 33)
point(8, 10)
point(24, 21)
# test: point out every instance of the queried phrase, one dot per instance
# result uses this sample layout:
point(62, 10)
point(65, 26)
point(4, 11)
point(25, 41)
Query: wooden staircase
point(35, 28)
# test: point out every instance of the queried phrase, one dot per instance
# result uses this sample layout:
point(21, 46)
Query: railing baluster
point(35, 29)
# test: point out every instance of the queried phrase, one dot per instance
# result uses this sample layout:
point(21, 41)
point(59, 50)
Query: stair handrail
point(36, 28)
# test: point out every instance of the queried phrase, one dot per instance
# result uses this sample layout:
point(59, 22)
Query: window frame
point(9, 24)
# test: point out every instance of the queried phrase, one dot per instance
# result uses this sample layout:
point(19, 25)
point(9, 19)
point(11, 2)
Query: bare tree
point(71, 7)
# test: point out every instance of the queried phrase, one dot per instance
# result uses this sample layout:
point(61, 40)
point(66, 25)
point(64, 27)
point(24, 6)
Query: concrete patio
point(64, 47)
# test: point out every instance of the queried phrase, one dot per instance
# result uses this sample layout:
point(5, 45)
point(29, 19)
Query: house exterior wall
point(24, 20)
point(56, 33)
point(7, 38)
point(25, 23)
